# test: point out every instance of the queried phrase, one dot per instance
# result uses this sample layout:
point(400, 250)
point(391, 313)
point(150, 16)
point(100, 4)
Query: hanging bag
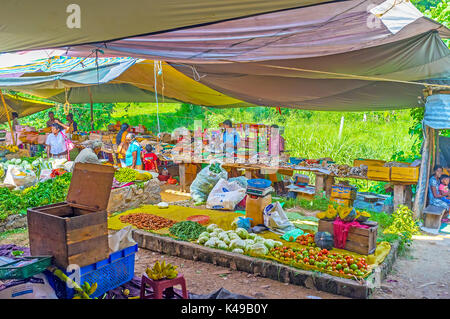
point(69, 145)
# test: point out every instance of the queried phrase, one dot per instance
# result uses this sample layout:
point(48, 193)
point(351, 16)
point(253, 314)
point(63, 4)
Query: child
point(443, 188)
point(150, 159)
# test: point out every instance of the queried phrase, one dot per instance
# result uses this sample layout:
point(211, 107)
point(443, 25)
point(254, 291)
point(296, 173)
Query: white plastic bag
point(18, 176)
point(121, 239)
point(275, 218)
point(36, 287)
point(225, 195)
point(45, 175)
point(205, 182)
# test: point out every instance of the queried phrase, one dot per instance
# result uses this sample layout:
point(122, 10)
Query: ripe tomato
point(306, 260)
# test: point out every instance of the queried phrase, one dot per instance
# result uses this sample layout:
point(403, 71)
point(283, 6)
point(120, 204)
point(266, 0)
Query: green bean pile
point(125, 175)
point(187, 230)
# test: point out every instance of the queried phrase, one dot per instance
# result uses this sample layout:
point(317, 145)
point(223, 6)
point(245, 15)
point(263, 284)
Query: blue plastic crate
point(108, 274)
point(259, 183)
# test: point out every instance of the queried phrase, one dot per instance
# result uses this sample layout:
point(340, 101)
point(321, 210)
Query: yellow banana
point(93, 288)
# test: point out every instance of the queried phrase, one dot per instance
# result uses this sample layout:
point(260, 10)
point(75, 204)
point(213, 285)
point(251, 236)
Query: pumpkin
point(324, 240)
point(362, 216)
point(347, 214)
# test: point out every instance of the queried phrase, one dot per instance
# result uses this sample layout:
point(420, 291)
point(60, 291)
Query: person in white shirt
point(56, 144)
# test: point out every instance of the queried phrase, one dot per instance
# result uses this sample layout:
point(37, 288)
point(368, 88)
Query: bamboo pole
point(423, 177)
point(92, 108)
point(9, 119)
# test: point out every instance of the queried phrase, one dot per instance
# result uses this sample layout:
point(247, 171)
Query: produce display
point(187, 230)
point(237, 241)
point(127, 175)
point(48, 192)
point(307, 240)
point(322, 260)
point(147, 221)
point(162, 271)
point(347, 214)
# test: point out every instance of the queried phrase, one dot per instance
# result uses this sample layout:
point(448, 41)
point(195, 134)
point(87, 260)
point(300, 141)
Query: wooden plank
point(182, 174)
point(89, 257)
point(47, 235)
point(82, 221)
point(95, 243)
point(86, 233)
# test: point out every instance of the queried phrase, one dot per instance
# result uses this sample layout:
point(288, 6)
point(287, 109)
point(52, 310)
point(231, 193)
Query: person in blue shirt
point(434, 197)
point(230, 138)
point(133, 156)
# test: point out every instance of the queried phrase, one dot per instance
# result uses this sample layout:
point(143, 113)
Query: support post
point(92, 108)
point(9, 119)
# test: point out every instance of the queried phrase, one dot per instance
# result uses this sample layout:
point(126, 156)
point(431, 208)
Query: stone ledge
point(265, 268)
point(13, 221)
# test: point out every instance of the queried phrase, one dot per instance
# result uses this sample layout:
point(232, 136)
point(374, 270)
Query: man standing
point(231, 139)
point(52, 120)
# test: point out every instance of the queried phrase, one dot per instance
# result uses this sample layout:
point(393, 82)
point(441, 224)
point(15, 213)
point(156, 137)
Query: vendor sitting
point(435, 198)
point(90, 153)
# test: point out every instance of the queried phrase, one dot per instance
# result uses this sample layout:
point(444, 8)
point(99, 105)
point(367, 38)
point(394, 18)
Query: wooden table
point(324, 182)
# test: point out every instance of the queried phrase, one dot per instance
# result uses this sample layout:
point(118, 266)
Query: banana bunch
point(161, 271)
point(10, 148)
point(87, 288)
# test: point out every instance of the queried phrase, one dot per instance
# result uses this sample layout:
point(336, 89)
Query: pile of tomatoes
point(307, 240)
point(322, 259)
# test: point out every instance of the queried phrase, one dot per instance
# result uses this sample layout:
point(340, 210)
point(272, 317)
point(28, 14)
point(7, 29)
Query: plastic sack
point(292, 233)
point(45, 175)
point(205, 182)
point(275, 218)
point(225, 195)
point(241, 180)
point(20, 177)
point(121, 239)
point(36, 287)
point(242, 222)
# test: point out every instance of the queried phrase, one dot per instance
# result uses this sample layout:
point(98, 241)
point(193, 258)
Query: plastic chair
point(159, 286)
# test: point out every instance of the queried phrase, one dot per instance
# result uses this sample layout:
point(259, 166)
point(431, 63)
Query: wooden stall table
point(324, 181)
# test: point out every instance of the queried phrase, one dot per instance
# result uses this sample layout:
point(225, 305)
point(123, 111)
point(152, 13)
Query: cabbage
point(211, 227)
point(249, 242)
point(202, 239)
point(238, 250)
point(222, 245)
point(233, 235)
point(211, 243)
point(224, 237)
point(269, 243)
point(252, 236)
point(237, 243)
point(277, 243)
point(204, 234)
point(260, 239)
point(213, 235)
point(258, 249)
point(242, 233)
point(220, 242)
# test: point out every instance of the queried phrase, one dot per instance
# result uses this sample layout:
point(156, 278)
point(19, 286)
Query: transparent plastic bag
point(205, 182)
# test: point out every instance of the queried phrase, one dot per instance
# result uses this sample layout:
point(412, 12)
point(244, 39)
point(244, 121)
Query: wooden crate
point(359, 240)
point(254, 208)
point(75, 231)
point(379, 173)
point(368, 162)
point(343, 192)
point(341, 201)
point(405, 174)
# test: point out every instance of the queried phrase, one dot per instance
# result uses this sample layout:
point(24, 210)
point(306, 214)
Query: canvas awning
point(22, 106)
point(336, 56)
point(28, 25)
